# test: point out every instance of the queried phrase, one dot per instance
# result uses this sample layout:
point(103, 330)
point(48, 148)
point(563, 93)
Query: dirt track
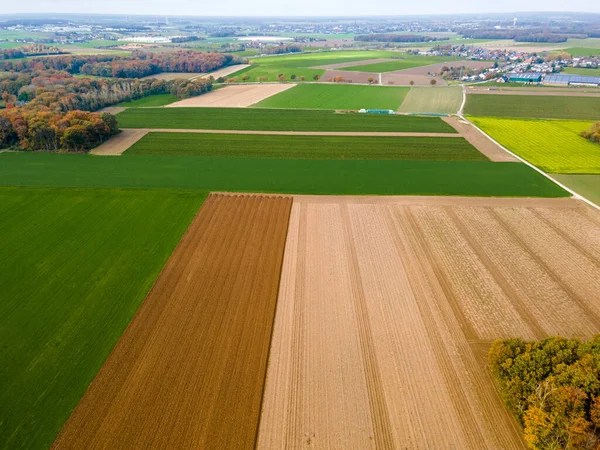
point(387, 307)
point(116, 145)
point(235, 96)
point(189, 370)
point(479, 141)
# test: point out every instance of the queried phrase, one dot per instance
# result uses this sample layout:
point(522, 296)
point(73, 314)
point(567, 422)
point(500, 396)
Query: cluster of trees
point(518, 35)
point(139, 64)
point(61, 92)
point(30, 50)
point(49, 131)
point(397, 38)
point(593, 134)
point(278, 49)
point(553, 389)
point(181, 39)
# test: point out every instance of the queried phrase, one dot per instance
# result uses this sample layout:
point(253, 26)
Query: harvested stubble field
point(189, 370)
point(292, 176)
point(235, 96)
point(540, 107)
point(307, 147)
point(387, 305)
point(75, 266)
point(553, 145)
point(332, 96)
point(275, 120)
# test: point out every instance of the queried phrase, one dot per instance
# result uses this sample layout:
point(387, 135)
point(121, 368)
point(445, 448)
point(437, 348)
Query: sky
point(292, 7)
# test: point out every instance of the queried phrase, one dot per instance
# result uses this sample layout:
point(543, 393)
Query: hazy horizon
point(307, 8)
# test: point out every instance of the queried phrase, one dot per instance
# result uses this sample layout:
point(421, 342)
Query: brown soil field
point(354, 77)
point(388, 305)
point(113, 109)
point(189, 370)
point(234, 96)
point(527, 91)
point(403, 79)
point(478, 140)
point(173, 76)
point(118, 144)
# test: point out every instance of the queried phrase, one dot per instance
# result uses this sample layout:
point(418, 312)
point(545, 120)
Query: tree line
point(137, 65)
point(279, 49)
point(29, 50)
point(518, 35)
point(397, 38)
point(552, 387)
point(51, 110)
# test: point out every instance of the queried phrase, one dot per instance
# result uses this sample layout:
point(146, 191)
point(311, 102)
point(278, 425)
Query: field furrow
point(189, 371)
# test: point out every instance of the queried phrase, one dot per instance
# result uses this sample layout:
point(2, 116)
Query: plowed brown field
point(387, 307)
point(190, 369)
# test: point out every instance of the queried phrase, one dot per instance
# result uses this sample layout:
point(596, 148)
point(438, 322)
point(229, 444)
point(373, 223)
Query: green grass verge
point(353, 177)
point(586, 185)
point(438, 100)
point(151, 100)
point(306, 147)
point(541, 107)
point(274, 120)
point(406, 62)
point(552, 145)
point(582, 71)
point(582, 51)
point(75, 266)
point(329, 96)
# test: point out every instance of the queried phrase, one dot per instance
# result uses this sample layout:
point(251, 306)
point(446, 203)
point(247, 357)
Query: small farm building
point(527, 77)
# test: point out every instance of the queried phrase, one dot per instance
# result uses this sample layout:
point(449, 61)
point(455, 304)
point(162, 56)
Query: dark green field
point(353, 177)
point(75, 266)
point(306, 147)
point(542, 107)
point(275, 120)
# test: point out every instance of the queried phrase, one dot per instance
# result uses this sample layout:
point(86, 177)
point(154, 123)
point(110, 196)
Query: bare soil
point(388, 305)
point(189, 370)
point(118, 144)
point(480, 141)
point(235, 96)
point(168, 76)
point(225, 71)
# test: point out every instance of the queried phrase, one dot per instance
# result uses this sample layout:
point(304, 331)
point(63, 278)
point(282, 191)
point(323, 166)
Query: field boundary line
point(569, 190)
point(302, 133)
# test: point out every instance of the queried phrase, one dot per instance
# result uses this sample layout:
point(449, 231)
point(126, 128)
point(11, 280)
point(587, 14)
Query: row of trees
point(49, 131)
point(139, 64)
point(553, 389)
point(29, 50)
point(397, 38)
point(279, 49)
point(518, 35)
point(593, 134)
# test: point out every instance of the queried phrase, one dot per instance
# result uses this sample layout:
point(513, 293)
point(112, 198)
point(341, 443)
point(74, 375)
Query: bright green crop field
point(275, 120)
point(331, 96)
point(437, 100)
point(552, 145)
point(301, 176)
point(541, 107)
point(303, 65)
point(405, 62)
point(75, 266)
point(306, 147)
point(151, 100)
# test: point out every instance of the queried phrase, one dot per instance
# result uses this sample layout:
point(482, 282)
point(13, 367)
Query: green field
point(541, 107)
point(552, 145)
point(75, 266)
point(586, 185)
point(582, 71)
point(351, 177)
point(582, 51)
point(306, 147)
point(302, 65)
point(274, 120)
point(150, 101)
point(438, 100)
point(406, 62)
point(329, 96)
